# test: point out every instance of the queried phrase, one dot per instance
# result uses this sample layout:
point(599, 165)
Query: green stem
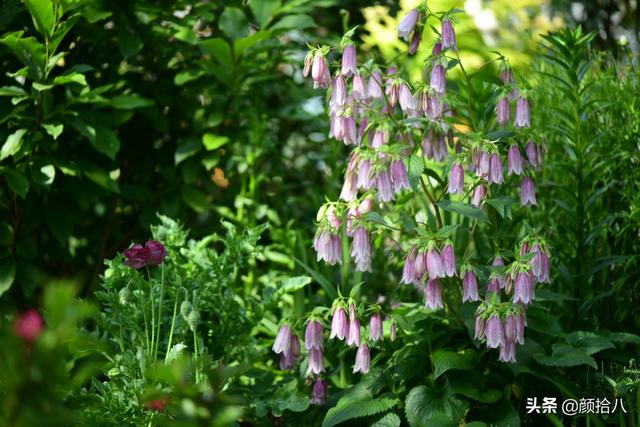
point(173, 323)
point(153, 315)
point(195, 354)
point(433, 202)
point(160, 303)
point(144, 316)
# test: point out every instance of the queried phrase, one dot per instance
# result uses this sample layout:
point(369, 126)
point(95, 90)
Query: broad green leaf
point(7, 274)
point(213, 142)
point(388, 420)
point(426, 407)
point(293, 22)
point(415, 167)
point(106, 142)
point(195, 199)
point(54, 130)
point(62, 80)
point(375, 217)
point(186, 150)
point(234, 23)
point(346, 412)
point(218, 48)
point(12, 144)
point(263, 10)
point(12, 91)
point(185, 77)
point(6, 233)
point(17, 182)
point(293, 284)
point(463, 209)
point(45, 175)
point(187, 35)
point(29, 51)
point(100, 177)
point(590, 342)
point(464, 384)
point(502, 205)
point(240, 45)
point(128, 102)
point(42, 14)
point(444, 360)
point(566, 355)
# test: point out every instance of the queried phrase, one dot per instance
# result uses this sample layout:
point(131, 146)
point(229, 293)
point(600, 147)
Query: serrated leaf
point(12, 144)
point(415, 167)
point(590, 342)
point(445, 360)
point(624, 338)
point(426, 407)
point(388, 420)
point(565, 355)
point(463, 209)
point(342, 413)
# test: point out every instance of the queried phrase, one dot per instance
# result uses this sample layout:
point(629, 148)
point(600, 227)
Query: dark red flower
point(29, 325)
point(137, 256)
point(157, 252)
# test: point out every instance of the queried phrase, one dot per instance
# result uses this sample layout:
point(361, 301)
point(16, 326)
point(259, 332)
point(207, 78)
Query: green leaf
point(6, 233)
point(129, 102)
point(464, 384)
point(186, 150)
point(375, 217)
point(185, 77)
point(29, 51)
point(212, 142)
point(293, 284)
point(218, 48)
point(426, 407)
point(187, 35)
point(415, 167)
point(263, 10)
point(42, 14)
point(13, 144)
point(345, 412)
point(502, 205)
point(291, 22)
point(17, 182)
point(234, 23)
point(62, 80)
point(12, 91)
point(241, 45)
point(106, 142)
point(7, 274)
point(388, 420)
point(100, 177)
point(53, 130)
point(590, 342)
point(45, 175)
point(195, 199)
point(445, 360)
point(566, 355)
point(463, 209)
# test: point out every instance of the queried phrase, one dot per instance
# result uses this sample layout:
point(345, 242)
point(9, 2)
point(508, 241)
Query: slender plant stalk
point(173, 323)
point(160, 303)
point(153, 315)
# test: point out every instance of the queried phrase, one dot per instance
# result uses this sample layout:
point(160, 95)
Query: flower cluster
point(152, 253)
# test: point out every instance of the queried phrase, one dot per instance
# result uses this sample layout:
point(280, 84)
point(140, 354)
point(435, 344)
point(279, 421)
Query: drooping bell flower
point(483, 164)
point(288, 359)
point(316, 361)
point(527, 192)
point(498, 262)
point(282, 343)
point(522, 289)
point(533, 154)
point(351, 132)
point(469, 287)
point(408, 270)
point(340, 90)
point(495, 169)
point(380, 138)
point(358, 88)
point(508, 352)
point(434, 263)
point(361, 249)
point(437, 80)
point(308, 62)
point(349, 188)
point(354, 327)
point(478, 195)
point(514, 160)
point(406, 99)
point(349, 60)
point(448, 259)
point(375, 327)
point(456, 179)
point(365, 180)
point(398, 175)
point(313, 335)
point(28, 326)
point(540, 264)
point(339, 324)
point(363, 359)
point(408, 23)
point(510, 328)
point(415, 42)
point(433, 294)
point(506, 76)
point(480, 325)
point(320, 72)
point(503, 111)
point(319, 392)
point(448, 35)
point(374, 86)
point(328, 246)
point(420, 266)
point(520, 326)
point(494, 332)
point(523, 114)
point(384, 187)
point(494, 284)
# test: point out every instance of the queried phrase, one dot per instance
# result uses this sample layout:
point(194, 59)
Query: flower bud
point(193, 319)
point(185, 309)
point(124, 296)
point(503, 111)
point(375, 327)
point(319, 392)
